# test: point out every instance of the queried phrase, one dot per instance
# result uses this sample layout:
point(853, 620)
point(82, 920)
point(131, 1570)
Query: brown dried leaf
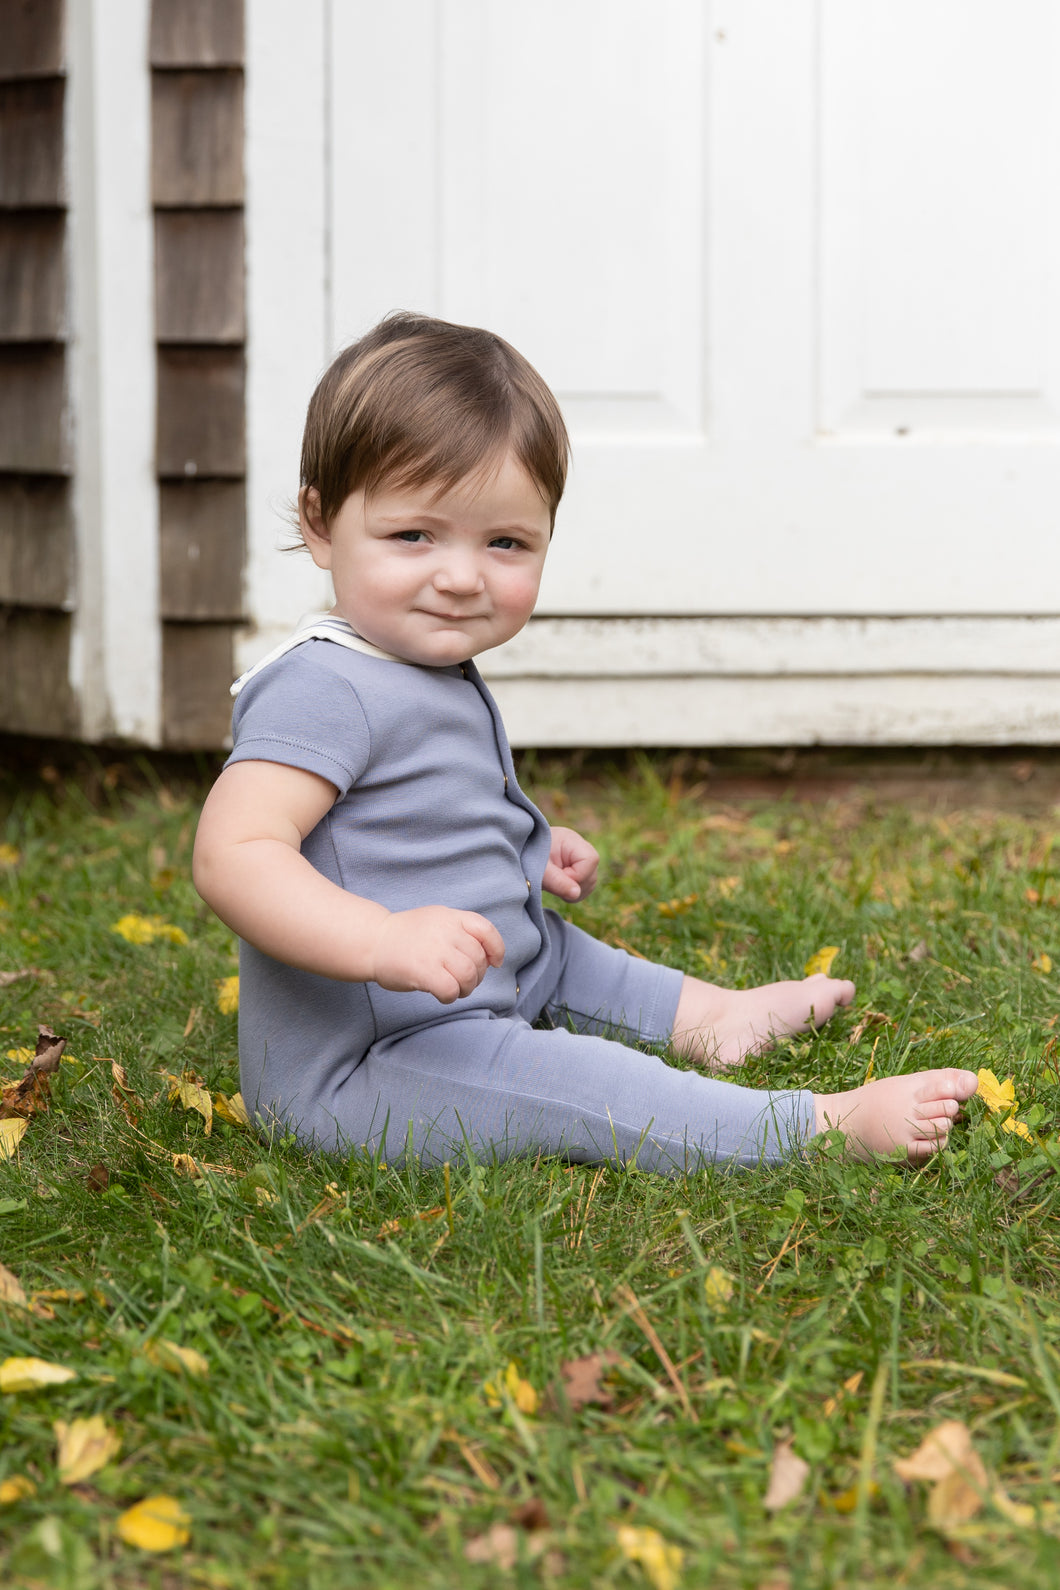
point(953, 1501)
point(500, 1546)
point(11, 1289)
point(869, 1018)
point(7, 978)
point(192, 1095)
point(787, 1477)
point(124, 1096)
point(98, 1178)
point(31, 1092)
point(945, 1450)
point(581, 1381)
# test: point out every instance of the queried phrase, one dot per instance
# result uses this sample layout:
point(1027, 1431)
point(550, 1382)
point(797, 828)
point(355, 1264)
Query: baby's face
point(437, 579)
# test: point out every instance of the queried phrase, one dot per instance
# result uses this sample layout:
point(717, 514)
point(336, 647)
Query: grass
point(354, 1316)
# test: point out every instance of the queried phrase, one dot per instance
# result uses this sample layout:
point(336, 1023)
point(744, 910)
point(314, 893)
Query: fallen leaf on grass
point(85, 1446)
point(158, 1523)
point(232, 1110)
point(7, 978)
point(947, 1459)
point(168, 1355)
point(821, 960)
point(1010, 1124)
point(31, 1092)
point(581, 1381)
point(661, 1561)
point(500, 1547)
point(390, 1228)
point(192, 1095)
point(870, 1018)
point(787, 1477)
point(997, 1096)
point(184, 1165)
point(15, 1488)
point(11, 1289)
point(11, 1133)
point(717, 1284)
point(677, 907)
point(30, 1374)
point(98, 1178)
point(512, 1387)
point(228, 995)
point(1042, 963)
point(136, 929)
point(10, 855)
point(123, 1095)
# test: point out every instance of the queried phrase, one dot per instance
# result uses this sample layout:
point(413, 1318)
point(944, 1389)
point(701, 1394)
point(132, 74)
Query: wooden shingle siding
point(31, 39)
point(33, 435)
point(197, 138)
point(31, 143)
point(196, 49)
point(198, 276)
point(34, 652)
point(197, 33)
point(32, 278)
point(202, 560)
point(36, 542)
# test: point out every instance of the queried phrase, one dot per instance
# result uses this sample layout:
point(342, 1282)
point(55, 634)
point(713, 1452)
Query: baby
point(402, 986)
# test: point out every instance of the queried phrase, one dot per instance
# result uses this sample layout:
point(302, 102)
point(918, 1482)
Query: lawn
point(342, 1372)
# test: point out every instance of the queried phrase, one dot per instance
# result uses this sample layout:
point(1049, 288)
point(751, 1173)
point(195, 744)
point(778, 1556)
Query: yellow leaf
point(23, 1055)
point(15, 1488)
point(193, 1097)
point(1043, 963)
point(85, 1446)
point(821, 960)
point(11, 1289)
point(661, 1561)
point(29, 1374)
point(232, 1110)
point(9, 856)
point(158, 1523)
point(678, 907)
point(11, 1134)
point(167, 1355)
point(512, 1385)
point(1019, 1127)
point(145, 929)
point(717, 1283)
point(786, 1478)
point(184, 1165)
point(996, 1095)
point(228, 996)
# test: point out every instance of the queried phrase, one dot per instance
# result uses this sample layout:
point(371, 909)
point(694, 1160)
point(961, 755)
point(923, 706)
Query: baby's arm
point(572, 863)
point(249, 868)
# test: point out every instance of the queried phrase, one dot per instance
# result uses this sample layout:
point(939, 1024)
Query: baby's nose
point(458, 571)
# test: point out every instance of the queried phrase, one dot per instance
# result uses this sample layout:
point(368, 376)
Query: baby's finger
point(481, 929)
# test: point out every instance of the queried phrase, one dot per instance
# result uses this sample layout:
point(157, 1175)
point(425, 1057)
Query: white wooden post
point(116, 652)
point(287, 222)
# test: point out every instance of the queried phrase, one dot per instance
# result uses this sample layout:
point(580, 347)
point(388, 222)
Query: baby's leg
point(912, 1114)
point(719, 1027)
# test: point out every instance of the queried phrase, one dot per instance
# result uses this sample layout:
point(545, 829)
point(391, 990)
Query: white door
point(792, 269)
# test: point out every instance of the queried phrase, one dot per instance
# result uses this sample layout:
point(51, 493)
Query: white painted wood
point(621, 648)
point(871, 711)
point(288, 332)
point(116, 657)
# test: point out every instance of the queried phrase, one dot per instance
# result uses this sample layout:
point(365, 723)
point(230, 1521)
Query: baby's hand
point(572, 863)
point(435, 950)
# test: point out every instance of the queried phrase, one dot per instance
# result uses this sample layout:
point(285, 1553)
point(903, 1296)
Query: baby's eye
point(411, 536)
point(505, 543)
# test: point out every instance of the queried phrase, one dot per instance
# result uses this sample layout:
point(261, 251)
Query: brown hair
point(418, 401)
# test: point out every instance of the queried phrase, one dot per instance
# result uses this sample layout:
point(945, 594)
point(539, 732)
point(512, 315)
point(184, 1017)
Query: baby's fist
point(436, 950)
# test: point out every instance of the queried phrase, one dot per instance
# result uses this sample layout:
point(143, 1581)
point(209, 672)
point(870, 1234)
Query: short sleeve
point(305, 715)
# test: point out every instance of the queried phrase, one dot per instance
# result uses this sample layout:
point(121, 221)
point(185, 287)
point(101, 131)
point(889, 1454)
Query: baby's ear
point(315, 532)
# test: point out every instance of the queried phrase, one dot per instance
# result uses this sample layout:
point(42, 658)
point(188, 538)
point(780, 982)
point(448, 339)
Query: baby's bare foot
point(912, 1114)
point(719, 1027)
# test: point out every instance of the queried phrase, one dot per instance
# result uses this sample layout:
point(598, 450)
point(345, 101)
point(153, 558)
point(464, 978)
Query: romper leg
point(501, 1088)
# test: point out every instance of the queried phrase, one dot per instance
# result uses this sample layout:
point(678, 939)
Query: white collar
point(318, 626)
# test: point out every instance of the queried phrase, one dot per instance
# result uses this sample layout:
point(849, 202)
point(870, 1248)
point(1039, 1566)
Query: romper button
point(506, 781)
point(529, 887)
point(517, 988)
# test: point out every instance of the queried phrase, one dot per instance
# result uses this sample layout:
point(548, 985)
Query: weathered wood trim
point(36, 543)
point(620, 648)
point(32, 39)
point(35, 669)
point(201, 416)
point(926, 709)
point(202, 530)
point(199, 276)
point(33, 430)
point(118, 635)
point(31, 143)
point(197, 669)
point(197, 33)
point(197, 138)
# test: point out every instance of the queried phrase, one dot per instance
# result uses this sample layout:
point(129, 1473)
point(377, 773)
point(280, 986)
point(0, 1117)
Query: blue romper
point(429, 812)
